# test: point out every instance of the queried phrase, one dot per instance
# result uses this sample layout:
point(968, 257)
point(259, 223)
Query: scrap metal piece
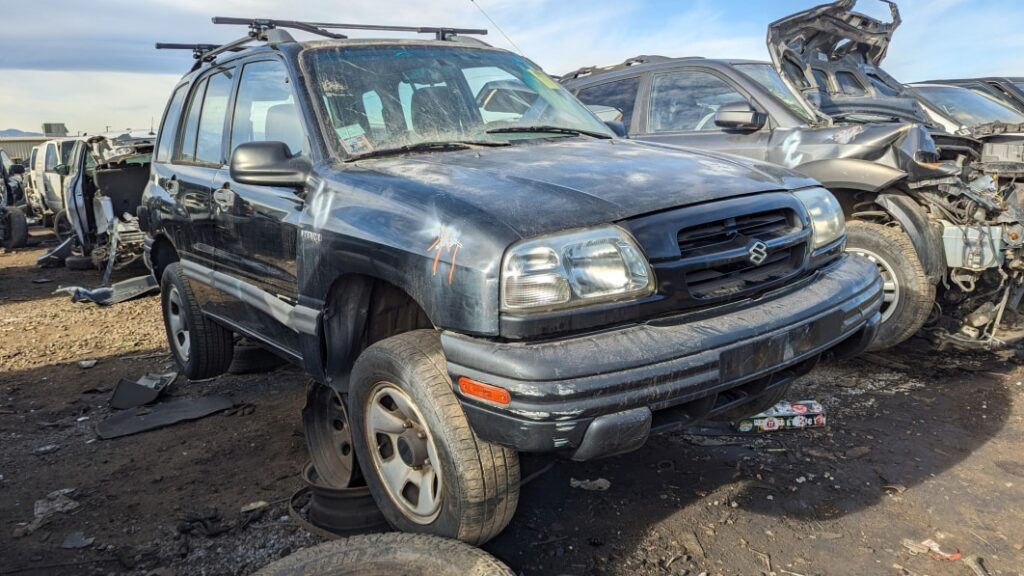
point(164, 414)
point(128, 394)
point(55, 257)
point(120, 292)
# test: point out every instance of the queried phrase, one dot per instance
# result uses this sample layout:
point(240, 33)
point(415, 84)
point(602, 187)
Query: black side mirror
point(62, 169)
point(17, 169)
point(739, 116)
point(618, 127)
point(269, 164)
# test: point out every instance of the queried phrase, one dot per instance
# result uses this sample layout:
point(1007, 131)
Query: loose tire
point(17, 229)
point(201, 347)
point(908, 296)
point(426, 468)
point(390, 554)
point(79, 263)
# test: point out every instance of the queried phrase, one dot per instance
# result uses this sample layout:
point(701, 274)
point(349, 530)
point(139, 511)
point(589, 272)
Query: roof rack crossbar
point(199, 51)
point(258, 26)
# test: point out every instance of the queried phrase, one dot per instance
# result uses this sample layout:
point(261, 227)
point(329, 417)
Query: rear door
point(199, 155)
point(257, 226)
point(681, 109)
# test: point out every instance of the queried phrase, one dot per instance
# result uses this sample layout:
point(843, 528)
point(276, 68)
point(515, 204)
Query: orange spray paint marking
point(447, 241)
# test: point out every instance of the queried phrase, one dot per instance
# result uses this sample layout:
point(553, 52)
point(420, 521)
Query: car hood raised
point(535, 188)
point(834, 36)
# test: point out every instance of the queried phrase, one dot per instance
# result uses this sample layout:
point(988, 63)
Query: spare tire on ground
point(79, 263)
point(391, 554)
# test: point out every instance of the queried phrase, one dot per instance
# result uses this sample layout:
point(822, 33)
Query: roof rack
point(267, 30)
point(258, 26)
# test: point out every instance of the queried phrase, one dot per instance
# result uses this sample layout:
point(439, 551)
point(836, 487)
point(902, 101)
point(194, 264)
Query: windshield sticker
point(446, 241)
point(353, 139)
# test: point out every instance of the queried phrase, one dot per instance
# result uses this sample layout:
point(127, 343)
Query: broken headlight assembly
point(827, 221)
point(574, 269)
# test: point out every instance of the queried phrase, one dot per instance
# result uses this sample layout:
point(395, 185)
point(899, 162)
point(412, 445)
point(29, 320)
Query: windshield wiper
point(426, 147)
point(548, 129)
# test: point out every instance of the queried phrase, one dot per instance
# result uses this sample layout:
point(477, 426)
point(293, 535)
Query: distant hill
point(15, 132)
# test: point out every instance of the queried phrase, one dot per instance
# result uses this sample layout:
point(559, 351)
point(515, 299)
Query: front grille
point(716, 255)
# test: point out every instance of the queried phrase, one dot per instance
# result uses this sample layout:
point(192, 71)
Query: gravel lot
point(921, 445)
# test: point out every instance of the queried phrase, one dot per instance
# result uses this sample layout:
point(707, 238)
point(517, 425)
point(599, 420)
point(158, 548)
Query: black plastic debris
point(55, 257)
point(114, 294)
point(128, 394)
point(160, 415)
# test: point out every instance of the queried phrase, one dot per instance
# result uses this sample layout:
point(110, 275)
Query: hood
point(831, 44)
point(536, 188)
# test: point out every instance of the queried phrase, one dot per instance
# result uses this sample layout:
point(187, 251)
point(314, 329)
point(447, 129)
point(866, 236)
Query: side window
point(822, 79)
point(169, 125)
point(688, 101)
point(51, 158)
point(849, 85)
point(619, 97)
point(265, 108)
point(187, 144)
point(210, 136)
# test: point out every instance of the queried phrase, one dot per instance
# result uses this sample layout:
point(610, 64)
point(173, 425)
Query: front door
point(681, 111)
point(257, 226)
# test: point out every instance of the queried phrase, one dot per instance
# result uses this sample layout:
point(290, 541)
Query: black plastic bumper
point(602, 394)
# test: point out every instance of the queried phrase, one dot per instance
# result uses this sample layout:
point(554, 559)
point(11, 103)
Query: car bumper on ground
point(604, 393)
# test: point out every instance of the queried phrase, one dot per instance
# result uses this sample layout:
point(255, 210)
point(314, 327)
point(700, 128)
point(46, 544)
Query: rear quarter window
point(618, 96)
point(169, 125)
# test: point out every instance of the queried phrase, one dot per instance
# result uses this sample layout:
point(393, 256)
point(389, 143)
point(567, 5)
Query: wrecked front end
point(108, 196)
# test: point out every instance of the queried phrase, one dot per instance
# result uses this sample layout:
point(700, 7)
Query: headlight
point(826, 214)
point(574, 269)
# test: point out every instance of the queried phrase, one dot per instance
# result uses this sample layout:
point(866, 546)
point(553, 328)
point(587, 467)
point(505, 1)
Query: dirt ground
point(920, 445)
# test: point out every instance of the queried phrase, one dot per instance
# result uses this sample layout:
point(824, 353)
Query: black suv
point(470, 264)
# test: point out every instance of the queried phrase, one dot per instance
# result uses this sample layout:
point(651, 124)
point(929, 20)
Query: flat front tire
point(201, 347)
point(907, 295)
point(424, 465)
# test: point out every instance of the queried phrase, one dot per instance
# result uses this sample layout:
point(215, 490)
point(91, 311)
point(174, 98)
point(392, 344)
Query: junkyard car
point(946, 236)
point(13, 224)
point(477, 275)
point(48, 169)
point(1009, 90)
point(105, 179)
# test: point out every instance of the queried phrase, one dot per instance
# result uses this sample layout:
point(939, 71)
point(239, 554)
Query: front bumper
point(602, 394)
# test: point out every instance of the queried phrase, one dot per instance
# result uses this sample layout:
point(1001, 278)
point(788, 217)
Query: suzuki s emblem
point(757, 253)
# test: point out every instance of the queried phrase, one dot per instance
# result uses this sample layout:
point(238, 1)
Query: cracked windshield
point(420, 97)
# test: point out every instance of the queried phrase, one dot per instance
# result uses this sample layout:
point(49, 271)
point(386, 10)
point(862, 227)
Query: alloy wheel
point(890, 283)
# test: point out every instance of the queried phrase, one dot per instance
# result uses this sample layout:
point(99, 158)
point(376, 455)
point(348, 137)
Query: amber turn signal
point(483, 391)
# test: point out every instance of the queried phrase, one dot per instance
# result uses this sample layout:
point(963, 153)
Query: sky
point(92, 64)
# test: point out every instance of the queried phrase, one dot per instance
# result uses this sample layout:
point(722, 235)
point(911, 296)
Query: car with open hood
point(910, 190)
point(470, 265)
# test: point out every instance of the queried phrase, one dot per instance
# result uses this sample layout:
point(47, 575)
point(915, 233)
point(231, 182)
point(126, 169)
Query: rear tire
point(908, 295)
point(17, 229)
point(409, 431)
point(388, 555)
point(201, 347)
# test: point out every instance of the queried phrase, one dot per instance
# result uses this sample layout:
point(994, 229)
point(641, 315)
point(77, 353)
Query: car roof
point(639, 64)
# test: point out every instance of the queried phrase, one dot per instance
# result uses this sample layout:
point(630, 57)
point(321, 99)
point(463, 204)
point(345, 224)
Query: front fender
point(926, 237)
point(852, 174)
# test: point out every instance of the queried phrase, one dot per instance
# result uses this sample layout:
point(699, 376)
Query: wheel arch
point(162, 254)
point(360, 310)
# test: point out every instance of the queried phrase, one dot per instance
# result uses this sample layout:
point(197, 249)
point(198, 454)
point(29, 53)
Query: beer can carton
point(785, 416)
